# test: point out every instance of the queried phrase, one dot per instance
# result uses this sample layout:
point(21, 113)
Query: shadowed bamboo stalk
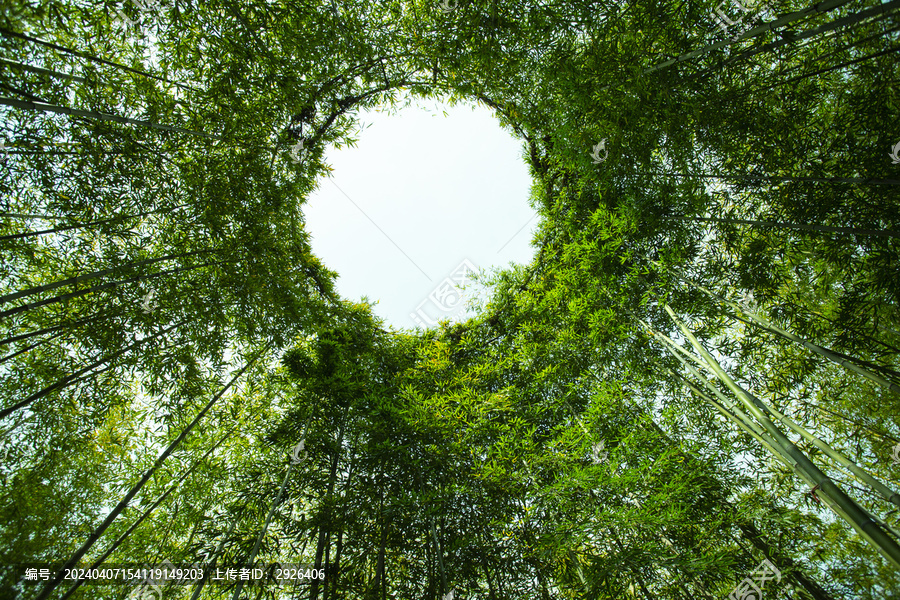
point(31, 347)
point(781, 21)
point(94, 275)
point(765, 324)
point(839, 502)
point(105, 286)
point(95, 535)
point(71, 324)
point(147, 513)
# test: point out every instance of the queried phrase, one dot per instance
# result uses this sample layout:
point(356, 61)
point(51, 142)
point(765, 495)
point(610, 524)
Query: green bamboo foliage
point(467, 457)
point(766, 325)
point(837, 500)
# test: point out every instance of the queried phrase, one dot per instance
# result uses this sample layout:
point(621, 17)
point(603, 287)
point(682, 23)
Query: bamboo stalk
point(787, 19)
point(765, 324)
point(863, 476)
point(773, 178)
point(146, 514)
point(732, 412)
point(849, 21)
point(71, 324)
point(202, 582)
point(31, 347)
point(90, 57)
point(881, 489)
point(43, 71)
point(95, 535)
point(844, 506)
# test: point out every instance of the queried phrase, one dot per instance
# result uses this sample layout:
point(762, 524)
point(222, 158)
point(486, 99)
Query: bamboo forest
point(691, 390)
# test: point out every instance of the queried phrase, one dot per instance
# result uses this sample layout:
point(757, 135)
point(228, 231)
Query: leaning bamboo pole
point(95, 535)
point(765, 324)
point(835, 498)
point(877, 486)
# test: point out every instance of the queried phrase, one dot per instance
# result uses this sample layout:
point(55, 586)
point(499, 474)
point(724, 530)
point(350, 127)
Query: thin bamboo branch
point(147, 513)
point(844, 506)
point(95, 535)
point(80, 225)
point(775, 179)
point(822, 228)
point(94, 275)
point(80, 54)
point(65, 110)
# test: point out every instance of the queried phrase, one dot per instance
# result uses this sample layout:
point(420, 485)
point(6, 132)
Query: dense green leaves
point(181, 382)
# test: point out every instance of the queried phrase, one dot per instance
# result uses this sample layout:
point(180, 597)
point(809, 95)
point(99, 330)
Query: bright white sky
point(441, 189)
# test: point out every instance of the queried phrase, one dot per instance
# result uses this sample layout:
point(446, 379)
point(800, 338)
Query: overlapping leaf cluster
point(169, 338)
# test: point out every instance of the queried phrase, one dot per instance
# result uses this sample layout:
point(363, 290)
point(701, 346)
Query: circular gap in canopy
point(421, 200)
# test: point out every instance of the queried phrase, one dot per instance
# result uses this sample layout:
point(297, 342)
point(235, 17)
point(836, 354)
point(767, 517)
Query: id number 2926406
point(292, 574)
